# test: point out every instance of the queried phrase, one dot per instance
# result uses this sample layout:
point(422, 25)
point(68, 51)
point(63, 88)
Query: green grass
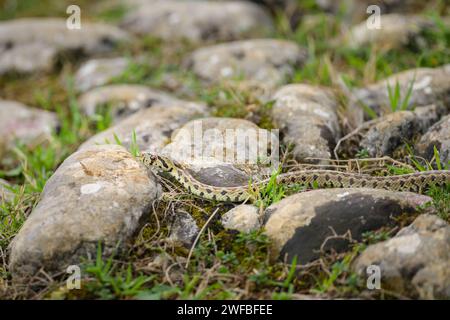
point(397, 102)
point(109, 283)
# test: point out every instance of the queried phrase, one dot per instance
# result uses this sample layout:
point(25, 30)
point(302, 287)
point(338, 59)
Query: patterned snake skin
point(416, 182)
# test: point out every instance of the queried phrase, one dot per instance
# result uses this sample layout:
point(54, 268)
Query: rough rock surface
point(243, 218)
point(300, 224)
point(97, 72)
point(356, 10)
point(123, 99)
point(307, 117)
point(395, 30)
point(397, 128)
point(223, 151)
point(153, 126)
point(437, 136)
point(267, 61)
point(31, 44)
point(20, 122)
point(184, 229)
point(429, 86)
point(98, 194)
point(416, 261)
point(199, 21)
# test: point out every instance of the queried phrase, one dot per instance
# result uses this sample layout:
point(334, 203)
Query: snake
point(416, 182)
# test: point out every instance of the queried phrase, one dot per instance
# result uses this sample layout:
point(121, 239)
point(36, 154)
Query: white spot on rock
point(405, 245)
point(90, 188)
point(341, 195)
point(226, 72)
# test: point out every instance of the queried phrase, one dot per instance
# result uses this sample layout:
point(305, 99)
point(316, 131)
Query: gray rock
point(429, 86)
point(5, 194)
point(98, 194)
point(184, 229)
point(222, 140)
point(268, 61)
point(123, 99)
point(199, 21)
point(416, 262)
point(394, 129)
point(31, 44)
point(437, 136)
point(97, 72)
point(224, 151)
point(27, 58)
point(302, 223)
point(355, 11)
point(20, 122)
point(153, 126)
point(395, 30)
point(307, 117)
point(243, 218)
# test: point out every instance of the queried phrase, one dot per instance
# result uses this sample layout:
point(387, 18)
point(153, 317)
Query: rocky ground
point(77, 106)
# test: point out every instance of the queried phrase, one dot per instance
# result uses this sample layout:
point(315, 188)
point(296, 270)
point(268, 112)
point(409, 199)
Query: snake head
point(150, 159)
point(155, 160)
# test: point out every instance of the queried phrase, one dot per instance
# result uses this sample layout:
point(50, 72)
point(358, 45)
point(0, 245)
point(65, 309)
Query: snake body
point(415, 182)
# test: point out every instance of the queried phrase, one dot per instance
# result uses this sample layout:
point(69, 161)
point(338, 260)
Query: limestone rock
point(99, 194)
point(395, 30)
point(123, 99)
point(20, 122)
point(97, 72)
point(437, 136)
point(32, 44)
point(243, 218)
point(224, 151)
point(268, 61)
point(184, 229)
point(300, 224)
point(153, 126)
point(394, 129)
point(416, 262)
point(198, 21)
point(428, 86)
point(307, 117)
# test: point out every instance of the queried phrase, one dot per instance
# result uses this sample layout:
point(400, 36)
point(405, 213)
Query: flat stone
point(123, 99)
point(224, 151)
point(300, 224)
point(243, 218)
point(184, 229)
point(429, 86)
point(307, 117)
point(32, 44)
point(99, 194)
point(395, 30)
point(153, 126)
point(416, 262)
point(437, 136)
point(268, 61)
point(27, 58)
point(221, 140)
point(357, 9)
point(97, 72)
point(20, 122)
point(198, 21)
point(393, 130)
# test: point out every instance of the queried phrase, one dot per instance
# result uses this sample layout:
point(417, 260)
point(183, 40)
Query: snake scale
point(416, 182)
